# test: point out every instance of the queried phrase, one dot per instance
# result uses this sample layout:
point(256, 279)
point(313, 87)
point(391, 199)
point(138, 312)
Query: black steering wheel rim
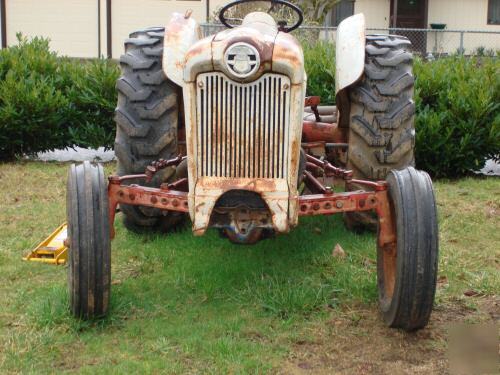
point(285, 29)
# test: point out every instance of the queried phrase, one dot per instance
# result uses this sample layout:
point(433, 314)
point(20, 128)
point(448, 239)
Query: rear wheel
point(147, 118)
point(407, 273)
point(382, 111)
point(89, 271)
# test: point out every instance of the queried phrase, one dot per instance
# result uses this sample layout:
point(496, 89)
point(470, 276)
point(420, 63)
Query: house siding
point(377, 12)
point(71, 25)
point(461, 15)
point(130, 15)
point(456, 14)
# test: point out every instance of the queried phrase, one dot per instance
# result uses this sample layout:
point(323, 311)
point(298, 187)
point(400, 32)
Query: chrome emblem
point(242, 59)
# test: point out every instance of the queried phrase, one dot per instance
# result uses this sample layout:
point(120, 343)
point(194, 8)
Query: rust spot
point(321, 131)
point(154, 200)
point(164, 201)
point(131, 196)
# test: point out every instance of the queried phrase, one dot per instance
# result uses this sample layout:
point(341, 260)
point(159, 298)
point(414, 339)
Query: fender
point(181, 33)
point(350, 52)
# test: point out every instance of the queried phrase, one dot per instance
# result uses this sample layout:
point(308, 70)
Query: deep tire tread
point(381, 134)
point(147, 117)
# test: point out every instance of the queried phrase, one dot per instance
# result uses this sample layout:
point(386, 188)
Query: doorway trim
point(393, 17)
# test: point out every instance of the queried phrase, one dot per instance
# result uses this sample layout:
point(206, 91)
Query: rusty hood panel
point(279, 52)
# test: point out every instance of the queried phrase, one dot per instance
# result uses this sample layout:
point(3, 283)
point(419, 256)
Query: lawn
point(185, 304)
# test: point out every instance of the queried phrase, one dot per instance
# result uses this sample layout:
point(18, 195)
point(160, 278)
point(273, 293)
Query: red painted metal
point(315, 131)
point(165, 199)
point(324, 201)
point(329, 169)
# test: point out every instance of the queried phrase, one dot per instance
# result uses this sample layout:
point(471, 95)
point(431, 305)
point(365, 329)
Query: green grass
point(200, 304)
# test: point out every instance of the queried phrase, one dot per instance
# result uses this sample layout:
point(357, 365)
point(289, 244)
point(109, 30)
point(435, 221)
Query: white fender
point(350, 51)
point(181, 33)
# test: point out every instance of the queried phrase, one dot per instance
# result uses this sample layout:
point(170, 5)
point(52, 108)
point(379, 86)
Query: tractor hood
point(272, 51)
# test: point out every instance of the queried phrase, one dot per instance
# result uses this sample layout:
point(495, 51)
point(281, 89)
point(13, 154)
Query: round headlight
point(242, 59)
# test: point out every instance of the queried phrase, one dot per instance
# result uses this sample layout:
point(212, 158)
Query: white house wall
point(71, 25)
point(130, 15)
point(377, 12)
point(461, 15)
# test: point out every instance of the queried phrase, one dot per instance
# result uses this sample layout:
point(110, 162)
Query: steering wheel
point(281, 23)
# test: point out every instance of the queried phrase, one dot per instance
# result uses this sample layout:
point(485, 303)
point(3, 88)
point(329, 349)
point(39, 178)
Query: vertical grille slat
point(242, 128)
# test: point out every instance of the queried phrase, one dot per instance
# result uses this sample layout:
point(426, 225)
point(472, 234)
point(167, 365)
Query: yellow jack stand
point(53, 249)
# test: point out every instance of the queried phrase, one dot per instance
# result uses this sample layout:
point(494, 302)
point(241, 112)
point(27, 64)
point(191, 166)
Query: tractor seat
point(327, 113)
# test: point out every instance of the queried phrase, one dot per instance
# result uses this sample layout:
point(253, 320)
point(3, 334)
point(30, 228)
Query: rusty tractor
point(220, 129)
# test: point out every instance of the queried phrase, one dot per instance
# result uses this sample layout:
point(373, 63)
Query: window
point(341, 10)
point(493, 12)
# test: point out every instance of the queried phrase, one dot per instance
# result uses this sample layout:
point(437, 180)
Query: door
point(411, 14)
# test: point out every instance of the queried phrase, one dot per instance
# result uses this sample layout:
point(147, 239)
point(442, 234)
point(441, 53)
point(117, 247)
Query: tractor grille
point(242, 128)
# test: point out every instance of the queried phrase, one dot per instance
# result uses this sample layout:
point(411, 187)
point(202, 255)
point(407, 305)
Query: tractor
point(220, 129)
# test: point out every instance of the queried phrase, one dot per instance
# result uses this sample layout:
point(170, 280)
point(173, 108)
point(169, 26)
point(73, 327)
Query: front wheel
point(407, 273)
point(89, 271)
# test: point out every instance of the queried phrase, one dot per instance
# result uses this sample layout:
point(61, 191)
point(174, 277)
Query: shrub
point(458, 117)
point(47, 102)
point(320, 67)
point(457, 100)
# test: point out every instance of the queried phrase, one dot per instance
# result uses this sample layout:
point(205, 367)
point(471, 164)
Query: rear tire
point(147, 118)
point(382, 112)
point(89, 271)
point(407, 276)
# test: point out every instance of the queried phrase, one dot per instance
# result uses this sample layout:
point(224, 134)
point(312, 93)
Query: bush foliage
point(48, 102)
point(458, 114)
point(458, 108)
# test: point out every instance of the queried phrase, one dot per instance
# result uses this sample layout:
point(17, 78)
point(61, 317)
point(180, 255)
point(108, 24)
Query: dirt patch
point(357, 342)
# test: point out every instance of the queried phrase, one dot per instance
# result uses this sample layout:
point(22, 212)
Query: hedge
point(48, 102)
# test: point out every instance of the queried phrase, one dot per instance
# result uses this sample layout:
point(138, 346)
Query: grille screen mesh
point(242, 128)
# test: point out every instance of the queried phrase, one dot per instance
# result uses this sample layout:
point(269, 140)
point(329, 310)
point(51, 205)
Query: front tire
point(89, 271)
point(407, 273)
